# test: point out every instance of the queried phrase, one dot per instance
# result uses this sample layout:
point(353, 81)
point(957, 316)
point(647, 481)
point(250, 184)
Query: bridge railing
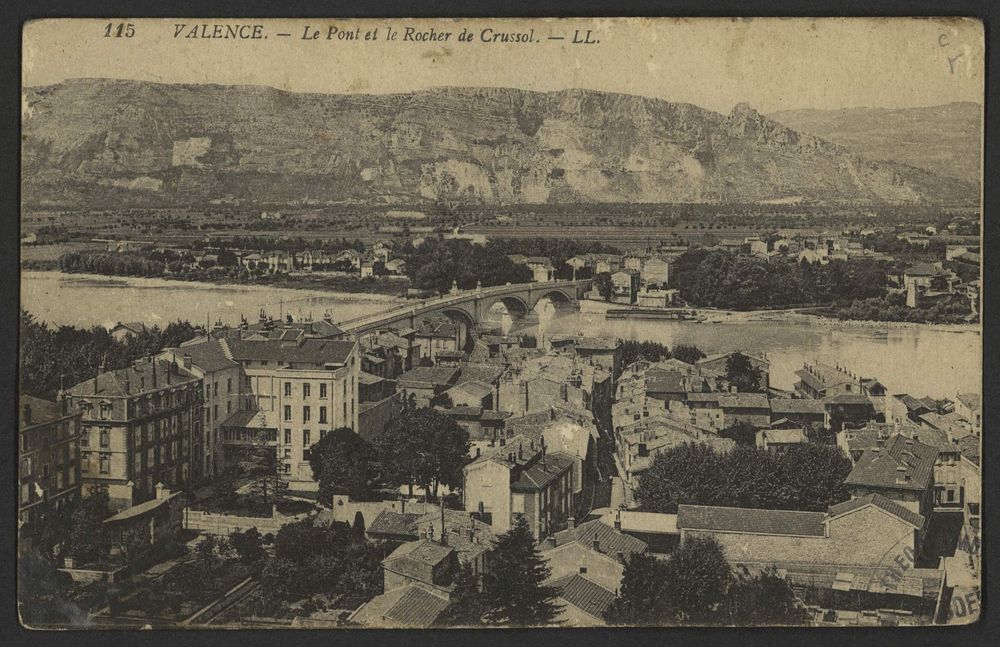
point(465, 295)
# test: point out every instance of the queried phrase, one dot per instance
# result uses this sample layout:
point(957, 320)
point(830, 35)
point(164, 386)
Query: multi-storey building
point(140, 426)
point(296, 390)
point(48, 459)
point(221, 378)
point(515, 478)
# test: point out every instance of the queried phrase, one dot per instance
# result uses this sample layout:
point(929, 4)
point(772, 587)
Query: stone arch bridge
point(471, 306)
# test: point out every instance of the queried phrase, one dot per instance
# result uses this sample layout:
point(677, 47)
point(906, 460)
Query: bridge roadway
point(519, 299)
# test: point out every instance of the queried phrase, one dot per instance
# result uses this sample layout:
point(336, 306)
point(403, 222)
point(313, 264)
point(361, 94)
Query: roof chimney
point(187, 360)
point(597, 544)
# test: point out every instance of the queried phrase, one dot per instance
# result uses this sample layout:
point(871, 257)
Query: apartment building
point(48, 459)
point(141, 425)
point(296, 391)
point(221, 377)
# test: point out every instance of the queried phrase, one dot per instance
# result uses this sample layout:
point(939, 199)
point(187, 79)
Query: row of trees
point(805, 477)
point(696, 586)
point(117, 264)
point(721, 279)
point(53, 358)
point(631, 351)
point(953, 309)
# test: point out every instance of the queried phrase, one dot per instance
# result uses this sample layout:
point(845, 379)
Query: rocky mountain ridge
point(98, 141)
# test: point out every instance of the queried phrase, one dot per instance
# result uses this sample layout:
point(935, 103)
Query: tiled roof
point(542, 472)
point(609, 540)
point(847, 398)
point(427, 376)
point(910, 402)
point(750, 520)
point(796, 405)
point(969, 446)
point(661, 381)
point(42, 411)
point(810, 380)
point(413, 558)
point(902, 464)
point(139, 378)
point(485, 373)
point(389, 522)
point(972, 400)
point(417, 608)
point(310, 351)
point(587, 596)
point(881, 502)
point(473, 387)
point(137, 511)
point(209, 356)
point(744, 401)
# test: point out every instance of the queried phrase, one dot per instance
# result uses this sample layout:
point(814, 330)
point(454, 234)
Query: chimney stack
point(597, 544)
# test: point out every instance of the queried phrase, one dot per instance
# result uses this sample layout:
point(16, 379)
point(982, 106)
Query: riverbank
point(802, 315)
point(102, 280)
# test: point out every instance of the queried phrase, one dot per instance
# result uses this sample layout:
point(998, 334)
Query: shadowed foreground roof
point(750, 520)
point(590, 597)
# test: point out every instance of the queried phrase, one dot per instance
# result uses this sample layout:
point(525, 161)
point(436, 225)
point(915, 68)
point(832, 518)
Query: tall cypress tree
point(514, 589)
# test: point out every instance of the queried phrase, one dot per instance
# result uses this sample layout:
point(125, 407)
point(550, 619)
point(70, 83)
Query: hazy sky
point(773, 64)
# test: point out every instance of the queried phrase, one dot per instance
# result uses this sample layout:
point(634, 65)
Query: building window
point(288, 389)
point(305, 414)
point(288, 452)
point(345, 412)
point(305, 438)
point(229, 407)
point(288, 436)
point(322, 415)
point(105, 440)
point(229, 385)
point(288, 412)
point(322, 390)
point(322, 432)
point(215, 389)
point(215, 411)
point(84, 440)
point(105, 463)
point(305, 390)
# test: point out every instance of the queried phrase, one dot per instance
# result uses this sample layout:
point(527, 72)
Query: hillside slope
point(943, 139)
point(112, 142)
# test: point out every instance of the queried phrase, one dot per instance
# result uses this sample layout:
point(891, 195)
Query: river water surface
point(921, 360)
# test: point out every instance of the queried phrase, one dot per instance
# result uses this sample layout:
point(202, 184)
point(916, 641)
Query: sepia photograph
point(500, 323)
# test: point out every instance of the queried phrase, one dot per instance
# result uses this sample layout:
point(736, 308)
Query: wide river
point(921, 360)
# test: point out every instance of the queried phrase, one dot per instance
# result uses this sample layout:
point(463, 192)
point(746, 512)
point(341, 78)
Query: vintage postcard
point(500, 323)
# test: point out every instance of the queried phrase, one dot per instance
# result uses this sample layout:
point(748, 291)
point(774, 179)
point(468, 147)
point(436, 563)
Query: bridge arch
point(555, 295)
point(466, 320)
point(516, 306)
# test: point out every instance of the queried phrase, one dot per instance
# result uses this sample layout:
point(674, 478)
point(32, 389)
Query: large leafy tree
point(424, 447)
point(690, 473)
point(696, 586)
point(636, 603)
point(344, 463)
point(515, 593)
point(687, 353)
point(741, 373)
point(764, 599)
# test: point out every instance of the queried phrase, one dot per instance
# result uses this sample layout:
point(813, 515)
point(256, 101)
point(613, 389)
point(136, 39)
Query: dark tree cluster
point(805, 477)
point(54, 358)
point(117, 264)
point(435, 263)
point(696, 586)
point(721, 279)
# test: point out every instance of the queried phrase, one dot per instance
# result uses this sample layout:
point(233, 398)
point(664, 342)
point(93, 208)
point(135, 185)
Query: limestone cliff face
point(93, 140)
